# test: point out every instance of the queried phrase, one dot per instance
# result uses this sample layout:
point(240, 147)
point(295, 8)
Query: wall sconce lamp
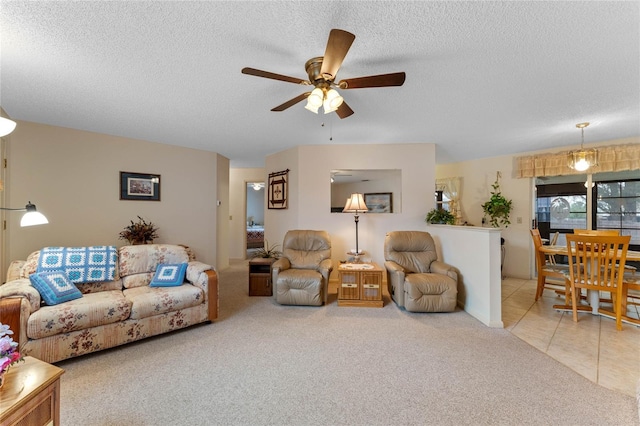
point(584, 158)
point(31, 217)
point(355, 204)
point(6, 126)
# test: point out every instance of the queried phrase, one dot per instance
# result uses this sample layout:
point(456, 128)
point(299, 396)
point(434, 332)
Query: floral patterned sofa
point(109, 313)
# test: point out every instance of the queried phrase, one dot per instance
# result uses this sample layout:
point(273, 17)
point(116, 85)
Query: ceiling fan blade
point(267, 74)
point(337, 47)
point(382, 80)
point(344, 110)
point(291, 102)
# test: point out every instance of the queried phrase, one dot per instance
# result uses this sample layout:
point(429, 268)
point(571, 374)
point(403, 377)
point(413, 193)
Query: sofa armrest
point(21, 288)
point(205, 277)
point(439, 267)
point(15, 269)
point(212, 279)
point(18, 299)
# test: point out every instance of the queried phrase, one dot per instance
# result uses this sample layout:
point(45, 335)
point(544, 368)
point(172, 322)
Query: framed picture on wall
point(379, 202)
point(139, 186)
point(278, 183)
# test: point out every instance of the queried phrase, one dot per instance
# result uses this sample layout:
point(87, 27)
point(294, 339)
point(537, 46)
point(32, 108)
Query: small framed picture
point(379, 202)
point(139, 186)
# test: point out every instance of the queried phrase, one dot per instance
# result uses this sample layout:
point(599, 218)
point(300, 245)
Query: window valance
point(610, 159)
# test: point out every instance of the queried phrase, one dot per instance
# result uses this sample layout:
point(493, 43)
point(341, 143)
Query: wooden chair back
point(551, 258)
point(596, 262)
point(610, 232)
point(537, 243)
point(546, 270)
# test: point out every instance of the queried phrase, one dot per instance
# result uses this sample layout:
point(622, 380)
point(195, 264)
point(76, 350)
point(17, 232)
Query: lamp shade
point(32, 216)
point(332, 101)
point(355, 204)
point(583, 159)
point(314, 100)
point(6, 126)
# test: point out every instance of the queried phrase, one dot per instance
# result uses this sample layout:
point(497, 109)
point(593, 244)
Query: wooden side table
point(31, 394)
point(360, 285)
point(260, 276)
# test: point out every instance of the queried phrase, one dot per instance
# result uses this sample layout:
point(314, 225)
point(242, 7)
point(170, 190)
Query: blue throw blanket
point(81, 264)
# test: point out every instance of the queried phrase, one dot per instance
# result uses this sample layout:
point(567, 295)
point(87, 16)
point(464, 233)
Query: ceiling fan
point(322, 72)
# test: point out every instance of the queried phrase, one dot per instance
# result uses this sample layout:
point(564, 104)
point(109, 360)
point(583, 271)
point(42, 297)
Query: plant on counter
point(498, 208)
point(140, 232)
point(440, 216)
point(267, 252)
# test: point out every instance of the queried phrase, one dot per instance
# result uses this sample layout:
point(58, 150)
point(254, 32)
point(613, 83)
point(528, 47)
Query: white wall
point(222, 212)
point(310, 193)
point(477, 178)
point(475, 252)
point(73, 177)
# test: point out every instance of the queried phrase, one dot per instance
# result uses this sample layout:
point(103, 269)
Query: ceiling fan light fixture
point(311, 108)
point(316, 97)
point(582, 159)
point(332, 101)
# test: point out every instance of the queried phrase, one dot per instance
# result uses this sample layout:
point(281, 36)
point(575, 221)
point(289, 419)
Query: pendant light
point(584, 158)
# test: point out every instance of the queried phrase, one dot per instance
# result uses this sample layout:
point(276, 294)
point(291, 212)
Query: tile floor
point(592, 346)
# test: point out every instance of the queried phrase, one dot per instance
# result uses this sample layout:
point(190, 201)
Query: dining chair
point(627, 268)
point(550, 275)
point(596, 263)
point(554, 240)
point(630, 294)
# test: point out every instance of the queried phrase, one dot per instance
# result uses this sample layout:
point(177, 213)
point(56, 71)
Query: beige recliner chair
point(417, 281)
point(301, 275)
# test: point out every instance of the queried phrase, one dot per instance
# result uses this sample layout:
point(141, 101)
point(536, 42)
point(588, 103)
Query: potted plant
point(498, 208)
point(267, 252)
point(140, 232)
point(440, 216)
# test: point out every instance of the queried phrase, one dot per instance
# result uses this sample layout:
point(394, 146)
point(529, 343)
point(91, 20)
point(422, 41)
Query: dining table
point(592, 296)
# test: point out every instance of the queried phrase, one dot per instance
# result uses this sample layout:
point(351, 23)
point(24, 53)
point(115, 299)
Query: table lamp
point(355, 204)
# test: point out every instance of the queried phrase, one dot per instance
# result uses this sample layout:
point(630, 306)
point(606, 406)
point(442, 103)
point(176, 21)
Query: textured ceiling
point(483, 78)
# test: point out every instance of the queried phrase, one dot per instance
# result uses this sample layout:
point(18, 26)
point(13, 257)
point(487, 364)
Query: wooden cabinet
point(360, 285)
point(260, 276)
point(31, 394)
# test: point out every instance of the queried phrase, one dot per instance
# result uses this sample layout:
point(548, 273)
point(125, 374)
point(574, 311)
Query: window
point(562, 207)
point(618, 207)
point(442, 201)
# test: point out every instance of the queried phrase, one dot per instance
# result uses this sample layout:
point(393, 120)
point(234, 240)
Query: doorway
point(255, 196)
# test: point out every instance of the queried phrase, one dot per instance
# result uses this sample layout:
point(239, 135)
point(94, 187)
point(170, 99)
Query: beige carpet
point(266, 364)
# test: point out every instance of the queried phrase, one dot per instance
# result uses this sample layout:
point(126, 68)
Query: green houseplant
point(267, 252)
point(498, 208)
point(140, 232)
point(441, 216)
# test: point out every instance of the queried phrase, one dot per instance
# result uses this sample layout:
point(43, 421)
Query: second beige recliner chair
point(301, 275)
point(417, 281)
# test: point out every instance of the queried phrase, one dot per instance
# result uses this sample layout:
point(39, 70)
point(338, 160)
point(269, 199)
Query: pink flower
point(5, 362)
point(8, 348)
